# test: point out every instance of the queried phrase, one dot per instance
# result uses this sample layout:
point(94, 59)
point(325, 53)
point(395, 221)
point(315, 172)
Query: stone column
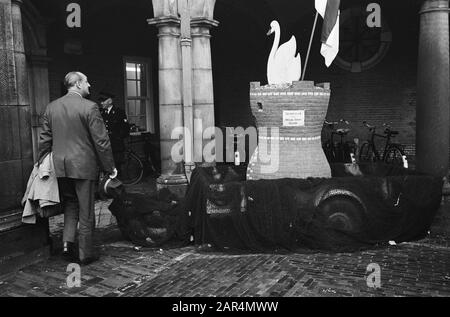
point(16, 155)
point(433, 110)
point(203, 92)
point(167, 19)
point(170, 92)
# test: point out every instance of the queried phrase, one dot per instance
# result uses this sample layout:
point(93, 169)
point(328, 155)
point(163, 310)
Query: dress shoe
point(88, 260)
point(69, 251)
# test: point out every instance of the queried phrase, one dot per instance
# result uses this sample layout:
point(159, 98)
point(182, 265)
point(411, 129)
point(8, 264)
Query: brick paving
point(409, 269)
point(419, 268)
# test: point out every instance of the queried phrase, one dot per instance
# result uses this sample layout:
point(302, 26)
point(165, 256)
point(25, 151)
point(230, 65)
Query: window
point(361, 47)
point(138, 92)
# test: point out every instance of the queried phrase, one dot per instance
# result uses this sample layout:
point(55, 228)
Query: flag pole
point(310, 43)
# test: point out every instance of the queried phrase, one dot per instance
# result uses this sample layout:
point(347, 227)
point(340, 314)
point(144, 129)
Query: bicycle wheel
point(131, 170)
point(394, 156)
point(366, 153)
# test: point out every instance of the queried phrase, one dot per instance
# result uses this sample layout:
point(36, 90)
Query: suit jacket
point(118, 127)
point(74, 131)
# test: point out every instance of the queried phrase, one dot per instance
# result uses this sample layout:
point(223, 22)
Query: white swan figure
point(283, 67)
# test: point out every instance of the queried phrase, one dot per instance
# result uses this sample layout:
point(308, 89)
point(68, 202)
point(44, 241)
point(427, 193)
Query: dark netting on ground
point(360, 207)
point(152, 221)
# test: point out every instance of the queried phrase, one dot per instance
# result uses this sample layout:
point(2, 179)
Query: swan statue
point(283, 66)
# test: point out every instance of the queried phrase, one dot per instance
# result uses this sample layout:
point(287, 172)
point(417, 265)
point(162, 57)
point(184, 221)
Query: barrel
point(298, 111)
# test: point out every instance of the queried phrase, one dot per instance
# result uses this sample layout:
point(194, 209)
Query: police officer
point(117, 125)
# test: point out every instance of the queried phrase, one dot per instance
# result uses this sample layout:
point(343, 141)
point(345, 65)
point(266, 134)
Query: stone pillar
point(167, 19)
point(202, 12)
point(203, 92)
point(186, 57)
point(16, 154)
point(433, 110)
point(170, 92)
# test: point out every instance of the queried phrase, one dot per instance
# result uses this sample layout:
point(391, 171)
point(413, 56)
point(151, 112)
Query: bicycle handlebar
point(336, 122)
point(387, 129)
point(373, 126)
point(370, 127)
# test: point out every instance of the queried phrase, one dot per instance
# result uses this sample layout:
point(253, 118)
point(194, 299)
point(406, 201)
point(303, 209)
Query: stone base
point(23, 246)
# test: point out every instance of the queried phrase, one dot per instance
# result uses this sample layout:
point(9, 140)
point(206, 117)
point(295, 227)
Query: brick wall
point(385, 93)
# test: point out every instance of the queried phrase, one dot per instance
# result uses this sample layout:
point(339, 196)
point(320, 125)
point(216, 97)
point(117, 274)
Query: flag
point(329, 10)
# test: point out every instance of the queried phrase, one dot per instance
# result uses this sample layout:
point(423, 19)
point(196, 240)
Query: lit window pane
point(131, 88)
point(131, 108)
point(143, 79)
point(131, 71)
point(137, 93)
point(141, 107)
point(135, 120)
point(138, 107)
point(141, 71)
point(138, 85)
point(143, 124)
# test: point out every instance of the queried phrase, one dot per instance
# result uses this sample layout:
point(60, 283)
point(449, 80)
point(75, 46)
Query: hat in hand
point(110, 187)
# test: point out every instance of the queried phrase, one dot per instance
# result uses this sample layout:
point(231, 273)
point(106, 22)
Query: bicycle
point(132, 168)
point(339, 152)
point(393, 153)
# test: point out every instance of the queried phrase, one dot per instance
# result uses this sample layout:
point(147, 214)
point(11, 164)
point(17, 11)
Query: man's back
point(74, 129)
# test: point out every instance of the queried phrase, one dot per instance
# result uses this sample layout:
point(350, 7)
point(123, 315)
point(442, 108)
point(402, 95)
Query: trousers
point(79, 207)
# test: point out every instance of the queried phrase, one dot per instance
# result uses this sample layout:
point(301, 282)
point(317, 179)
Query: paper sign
point(293, 118)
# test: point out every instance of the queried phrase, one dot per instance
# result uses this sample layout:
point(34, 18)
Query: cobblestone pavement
point(409, 269)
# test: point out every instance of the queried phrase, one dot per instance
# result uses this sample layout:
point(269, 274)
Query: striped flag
point(329, 10)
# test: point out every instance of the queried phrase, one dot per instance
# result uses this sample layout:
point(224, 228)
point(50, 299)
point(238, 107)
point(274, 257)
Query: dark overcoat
point(118, 127)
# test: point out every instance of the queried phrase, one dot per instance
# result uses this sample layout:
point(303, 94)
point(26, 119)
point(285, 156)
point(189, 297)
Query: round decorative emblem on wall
point(361, 47)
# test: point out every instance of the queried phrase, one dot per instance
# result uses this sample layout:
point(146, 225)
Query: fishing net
point(360, 207)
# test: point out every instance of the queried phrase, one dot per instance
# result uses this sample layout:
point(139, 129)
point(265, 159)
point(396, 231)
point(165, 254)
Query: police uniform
point(118, 129)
